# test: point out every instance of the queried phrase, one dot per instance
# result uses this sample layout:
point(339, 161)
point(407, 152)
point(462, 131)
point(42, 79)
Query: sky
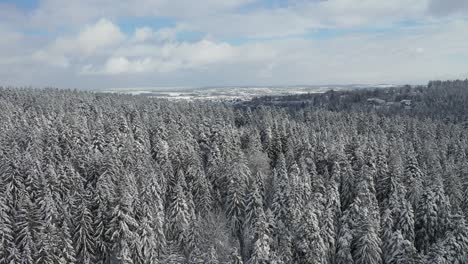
point(102, 44)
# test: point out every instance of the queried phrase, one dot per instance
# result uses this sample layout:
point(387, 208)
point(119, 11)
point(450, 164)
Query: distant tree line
point(107, 178)
point(444, 100)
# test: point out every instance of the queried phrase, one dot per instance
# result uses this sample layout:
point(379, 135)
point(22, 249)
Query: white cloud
point(100, 35)
point(223, 18)
point(90, 39)
point(9, 37)
point(122, 65)
point(165, 57)
point(56, 60)
point(301, 17)
point(53, 13)
point(448, 7)
point(145, 34)
point(119, 65)
point(419, 50)
point(367, 12)
point(204, 52)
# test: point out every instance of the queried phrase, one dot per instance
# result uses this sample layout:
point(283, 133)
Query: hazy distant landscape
point(233, 93)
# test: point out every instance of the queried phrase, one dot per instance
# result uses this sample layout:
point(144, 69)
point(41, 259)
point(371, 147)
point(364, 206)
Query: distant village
point(377, 103)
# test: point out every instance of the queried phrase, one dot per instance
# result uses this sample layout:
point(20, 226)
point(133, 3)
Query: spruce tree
point(83, 233)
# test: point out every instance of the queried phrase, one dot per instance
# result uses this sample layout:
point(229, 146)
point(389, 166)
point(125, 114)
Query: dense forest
point(106, 178)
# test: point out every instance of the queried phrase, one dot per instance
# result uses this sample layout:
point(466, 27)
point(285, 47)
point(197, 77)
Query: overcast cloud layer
point(104, 43)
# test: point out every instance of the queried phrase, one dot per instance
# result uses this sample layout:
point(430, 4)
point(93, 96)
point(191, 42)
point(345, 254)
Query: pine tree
point(67, 254)
point(235, 206)
point(146, 244)
point(344, 245)
point(282, 211)
point(387, 235)
point(259, 179)
point(47, 237)
point(202, 193)
point(281, 201)
point(455, 244)
point(83, 236)
point(173, 255)
point(262, 240)
point(47, 245)
point(196, 256)
point(413, 180)
point(310, 246)
point(178, 215)
point(154, 208)
point(367, 248)
point(235, 258)
point(254, 204)
point(432, 215)
point(25, 229)
point(405, 223)
point(122, 225)
point(15, 256)
point(426, 221)
point(253, 210)
point(382, 177)
point(296, 194)
point(193, 238)
point(6, 231)
point(212, 256)
point(331, 214)
point(463, 172)
point(347, 185)
point(261, 251)
point(402, 250)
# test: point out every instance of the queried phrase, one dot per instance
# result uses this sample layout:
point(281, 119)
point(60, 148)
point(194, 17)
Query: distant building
point(376, 101)
point(405, 102)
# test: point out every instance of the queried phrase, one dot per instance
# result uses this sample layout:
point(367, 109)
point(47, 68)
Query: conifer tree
point(83, 237)
point(235, 258)
point(153, 208)
point(67, 254)
point(123, 225)
point(6, 231)
point(311, 247)
point(253, 204)
point(25, 229)
point(413, 180)
point(426, 221)
point(178, 215)
point(405, 223)
point(261, 247)
point(344, 245)
point(212, 256)
point(146, 242)
point(367, 246)
point(281, 199)
point(235, 200)
point(402, 250)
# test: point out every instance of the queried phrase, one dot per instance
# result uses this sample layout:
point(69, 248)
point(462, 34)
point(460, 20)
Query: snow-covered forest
point(106, 178)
